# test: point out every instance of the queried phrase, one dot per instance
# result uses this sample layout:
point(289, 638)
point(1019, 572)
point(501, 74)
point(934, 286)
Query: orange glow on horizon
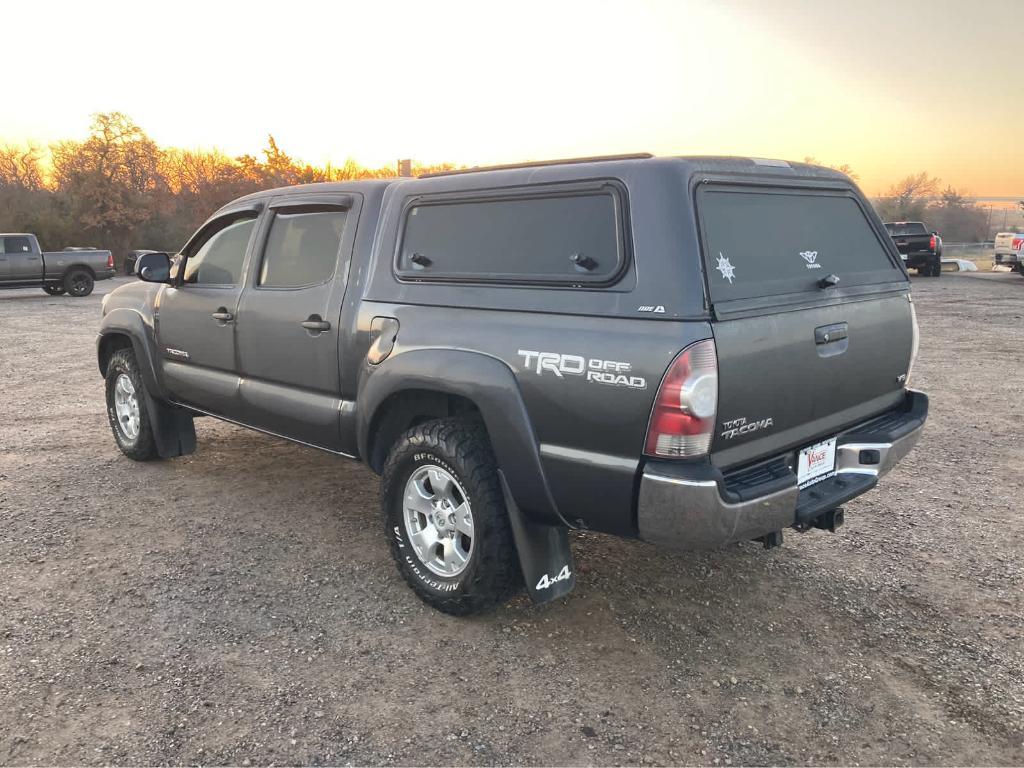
point(475, 84)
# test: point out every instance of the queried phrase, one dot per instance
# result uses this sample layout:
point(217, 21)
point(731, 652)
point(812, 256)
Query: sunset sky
point(891, 87)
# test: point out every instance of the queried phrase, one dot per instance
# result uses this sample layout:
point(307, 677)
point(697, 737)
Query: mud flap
point(544, 553)
point(173, 429)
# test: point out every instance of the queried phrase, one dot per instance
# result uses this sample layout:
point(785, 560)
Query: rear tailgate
point(799, 362)
point(1008, 242)
point(910, 237)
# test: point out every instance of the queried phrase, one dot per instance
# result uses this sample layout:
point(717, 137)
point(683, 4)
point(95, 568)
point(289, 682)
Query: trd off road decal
point(611, 372)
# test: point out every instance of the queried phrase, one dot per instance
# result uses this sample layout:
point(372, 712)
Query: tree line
point(118, 190)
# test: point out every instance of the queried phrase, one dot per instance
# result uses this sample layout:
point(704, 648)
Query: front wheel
point(446, 519)
point(79, 283)
point(54, 290)
point(126, 407)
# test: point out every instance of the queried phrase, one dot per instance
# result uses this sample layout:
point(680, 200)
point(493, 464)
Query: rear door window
point(554, 238)
point(302, 249)
point(774, 242)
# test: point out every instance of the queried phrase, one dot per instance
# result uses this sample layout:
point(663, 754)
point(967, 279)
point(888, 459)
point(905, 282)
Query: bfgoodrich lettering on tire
point(446, 519)
point(126, 407)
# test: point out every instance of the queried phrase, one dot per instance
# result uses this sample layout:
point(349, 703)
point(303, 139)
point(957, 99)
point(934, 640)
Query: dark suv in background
point(520, 351)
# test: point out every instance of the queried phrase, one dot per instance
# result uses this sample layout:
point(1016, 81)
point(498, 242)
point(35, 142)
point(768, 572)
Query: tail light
point(931, 243)
point(683, 420)
point(915, 342)
point(110, 261)
point(1018, 243)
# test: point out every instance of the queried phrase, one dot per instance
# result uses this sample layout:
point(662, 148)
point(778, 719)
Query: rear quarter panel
point(588, 385)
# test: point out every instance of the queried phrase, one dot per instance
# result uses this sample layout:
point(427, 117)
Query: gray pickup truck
point(525, 350)
point(73, 271)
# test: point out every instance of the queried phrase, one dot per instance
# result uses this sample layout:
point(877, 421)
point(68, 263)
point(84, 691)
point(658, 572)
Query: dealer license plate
point(816, 462)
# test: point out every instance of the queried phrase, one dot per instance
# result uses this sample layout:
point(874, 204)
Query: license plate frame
point(815, 463)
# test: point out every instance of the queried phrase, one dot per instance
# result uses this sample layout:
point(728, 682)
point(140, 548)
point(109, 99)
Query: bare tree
point(842, 168)
point(907, 199)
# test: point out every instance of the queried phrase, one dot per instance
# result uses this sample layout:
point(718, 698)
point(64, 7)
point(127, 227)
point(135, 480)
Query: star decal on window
point(728, 270)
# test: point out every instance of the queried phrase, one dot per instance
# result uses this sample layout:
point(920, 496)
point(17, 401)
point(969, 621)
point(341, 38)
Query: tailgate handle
point(826, 334)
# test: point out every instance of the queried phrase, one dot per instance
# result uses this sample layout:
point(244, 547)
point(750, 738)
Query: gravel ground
point(240, 606)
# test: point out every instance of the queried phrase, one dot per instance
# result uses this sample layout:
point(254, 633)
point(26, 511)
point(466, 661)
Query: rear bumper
point(105, 274)
point(688, 506)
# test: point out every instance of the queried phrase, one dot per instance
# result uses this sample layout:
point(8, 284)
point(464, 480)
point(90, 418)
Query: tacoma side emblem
point(177, 353)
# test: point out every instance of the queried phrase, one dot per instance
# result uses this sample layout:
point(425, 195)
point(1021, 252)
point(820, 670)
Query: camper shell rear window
point(565, 235)
point(773, 241)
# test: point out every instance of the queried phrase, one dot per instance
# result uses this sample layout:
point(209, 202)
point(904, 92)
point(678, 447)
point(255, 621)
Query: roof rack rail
point(539, 164)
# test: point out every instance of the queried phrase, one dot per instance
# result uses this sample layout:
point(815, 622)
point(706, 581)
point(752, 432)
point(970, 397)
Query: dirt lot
point(239, 605)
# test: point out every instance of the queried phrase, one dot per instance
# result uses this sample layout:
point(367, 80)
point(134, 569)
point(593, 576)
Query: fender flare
point(131, 323)
point(77, 265)
point(173, 428)
point(490, 384)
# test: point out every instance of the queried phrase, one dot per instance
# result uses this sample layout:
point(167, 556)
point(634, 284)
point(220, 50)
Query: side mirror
point(154, 267)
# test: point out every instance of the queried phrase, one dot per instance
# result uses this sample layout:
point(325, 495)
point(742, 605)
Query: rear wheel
point(126, 407)
point(78, 282)
point(446, 519)
point(54, 290)
point(936, 265)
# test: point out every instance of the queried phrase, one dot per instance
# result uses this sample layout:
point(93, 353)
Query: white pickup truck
point(1009, 250)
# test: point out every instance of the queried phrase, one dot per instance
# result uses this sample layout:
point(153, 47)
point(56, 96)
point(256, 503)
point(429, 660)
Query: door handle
point(827, 334)
point(315, 324)
point(222, 316)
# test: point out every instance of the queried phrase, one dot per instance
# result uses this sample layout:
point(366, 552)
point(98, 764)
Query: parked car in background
point(919, 247)
point(1009, 250)
point(523, 350)
point(23, 265)
point(133, 256)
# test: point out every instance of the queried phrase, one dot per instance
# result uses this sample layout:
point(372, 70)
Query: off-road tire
point(937, 267)
point(79, 282)
point(143, 446)
point(54, 290)
point(492, 574)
